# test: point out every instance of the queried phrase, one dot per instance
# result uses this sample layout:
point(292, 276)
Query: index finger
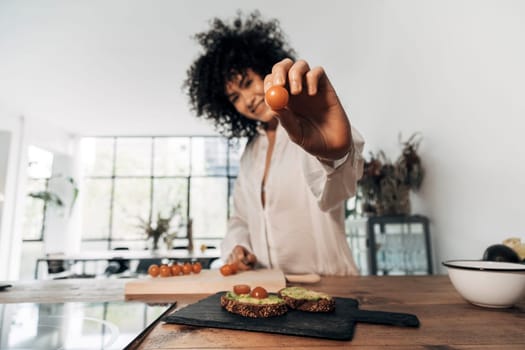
point(279, 75)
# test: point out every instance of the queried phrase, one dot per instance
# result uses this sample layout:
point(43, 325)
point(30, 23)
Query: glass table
point(77, 325)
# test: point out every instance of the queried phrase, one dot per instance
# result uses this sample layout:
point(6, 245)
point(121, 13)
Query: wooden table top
point(447, 321)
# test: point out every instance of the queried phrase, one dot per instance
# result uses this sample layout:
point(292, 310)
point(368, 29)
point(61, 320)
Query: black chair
point(117, 265)
point(144, 264)
point(55, 266)
point(185, 247)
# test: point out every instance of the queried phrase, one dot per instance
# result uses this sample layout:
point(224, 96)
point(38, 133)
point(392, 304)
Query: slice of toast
point(245, 305)
point(303, 299)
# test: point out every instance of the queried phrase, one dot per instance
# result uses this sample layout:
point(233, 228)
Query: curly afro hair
point(230, 49)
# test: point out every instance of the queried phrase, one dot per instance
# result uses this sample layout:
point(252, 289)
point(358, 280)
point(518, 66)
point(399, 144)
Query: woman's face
point(246, 93)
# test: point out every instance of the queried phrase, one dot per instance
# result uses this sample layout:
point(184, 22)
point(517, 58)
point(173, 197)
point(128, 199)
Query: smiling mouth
point(257, 107)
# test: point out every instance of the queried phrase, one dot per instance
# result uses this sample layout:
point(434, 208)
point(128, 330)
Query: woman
point(301, 162)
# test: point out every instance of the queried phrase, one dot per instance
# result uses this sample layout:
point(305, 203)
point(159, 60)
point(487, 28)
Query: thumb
point(291, 124)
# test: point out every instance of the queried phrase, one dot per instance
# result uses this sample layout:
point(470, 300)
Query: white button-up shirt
point(301, 227)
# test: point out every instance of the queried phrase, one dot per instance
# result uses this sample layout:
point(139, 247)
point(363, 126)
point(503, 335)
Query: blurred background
point(92, 113)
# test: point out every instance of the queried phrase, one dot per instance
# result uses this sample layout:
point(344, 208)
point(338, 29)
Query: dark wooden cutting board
point(337, 325)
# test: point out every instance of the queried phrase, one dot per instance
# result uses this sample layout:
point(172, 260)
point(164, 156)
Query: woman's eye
point(234, 99)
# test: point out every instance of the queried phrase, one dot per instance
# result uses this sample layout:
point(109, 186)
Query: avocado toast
point(248, 306)
point(303, 299)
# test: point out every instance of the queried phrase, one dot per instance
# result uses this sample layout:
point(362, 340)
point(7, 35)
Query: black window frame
point(229, 175)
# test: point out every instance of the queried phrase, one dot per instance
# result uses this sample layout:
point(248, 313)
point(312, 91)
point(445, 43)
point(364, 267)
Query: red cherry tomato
point(241, 289)
point(233, 267)
point(176, 269)
point(153, 270)
point(165, 271)
point(186, 268)
point(259, 293)
point(196, 267)
point(276, 97)
point(226, 270)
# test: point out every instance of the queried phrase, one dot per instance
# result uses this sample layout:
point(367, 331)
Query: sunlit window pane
point(97, 156)
point(209, 156)
point(133, 156)
point(190, 171)
point(34, 214)
point(167, 194)
point(31, 251)
point(172, 156)
point(208, 209)
point(96, 208)
point(230, 197)
point(132, 203)
point(40, 163)
point(236, 149)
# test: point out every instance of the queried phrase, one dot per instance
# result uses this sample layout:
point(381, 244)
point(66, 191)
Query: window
point(129, 179)
point(39, 170)
point(39, 173)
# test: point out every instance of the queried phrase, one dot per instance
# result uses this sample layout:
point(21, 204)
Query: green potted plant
point(155, 230)
point(53, 199)
point(385, 186)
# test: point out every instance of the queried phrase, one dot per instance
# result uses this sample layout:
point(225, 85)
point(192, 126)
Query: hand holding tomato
point(313, 117)
point(242, 258)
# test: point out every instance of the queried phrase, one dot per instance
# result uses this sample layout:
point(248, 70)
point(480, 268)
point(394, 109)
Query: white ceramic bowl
point(488, 283)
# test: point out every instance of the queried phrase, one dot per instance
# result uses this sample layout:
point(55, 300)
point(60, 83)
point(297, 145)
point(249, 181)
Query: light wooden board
point(206, 282)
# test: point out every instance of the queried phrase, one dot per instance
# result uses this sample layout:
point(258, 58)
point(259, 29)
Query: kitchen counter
point(205, 257)
point(447, 321)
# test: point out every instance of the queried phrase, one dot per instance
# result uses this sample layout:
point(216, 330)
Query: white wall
point(11, 207)
point(452, 69)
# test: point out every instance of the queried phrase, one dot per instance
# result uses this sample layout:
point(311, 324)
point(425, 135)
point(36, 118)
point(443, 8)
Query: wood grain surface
point(447, 321)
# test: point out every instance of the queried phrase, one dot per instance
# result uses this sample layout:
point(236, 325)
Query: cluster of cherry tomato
point(174, 269)
point(257, 292)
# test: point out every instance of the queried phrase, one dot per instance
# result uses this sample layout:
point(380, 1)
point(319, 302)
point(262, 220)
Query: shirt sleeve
point(333, 184)
point(237, 231)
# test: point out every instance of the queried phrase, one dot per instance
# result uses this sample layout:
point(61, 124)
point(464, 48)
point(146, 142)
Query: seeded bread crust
point(319, 305)
point(253, 310)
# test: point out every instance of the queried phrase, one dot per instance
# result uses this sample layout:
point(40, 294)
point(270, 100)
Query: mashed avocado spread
point(246, 298)
point(303, 293)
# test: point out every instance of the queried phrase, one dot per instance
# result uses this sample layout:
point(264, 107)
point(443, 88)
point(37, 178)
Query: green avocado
point(304, 294)
point(246, 298)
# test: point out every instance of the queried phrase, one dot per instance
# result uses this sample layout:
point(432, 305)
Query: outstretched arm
point(314, 117)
